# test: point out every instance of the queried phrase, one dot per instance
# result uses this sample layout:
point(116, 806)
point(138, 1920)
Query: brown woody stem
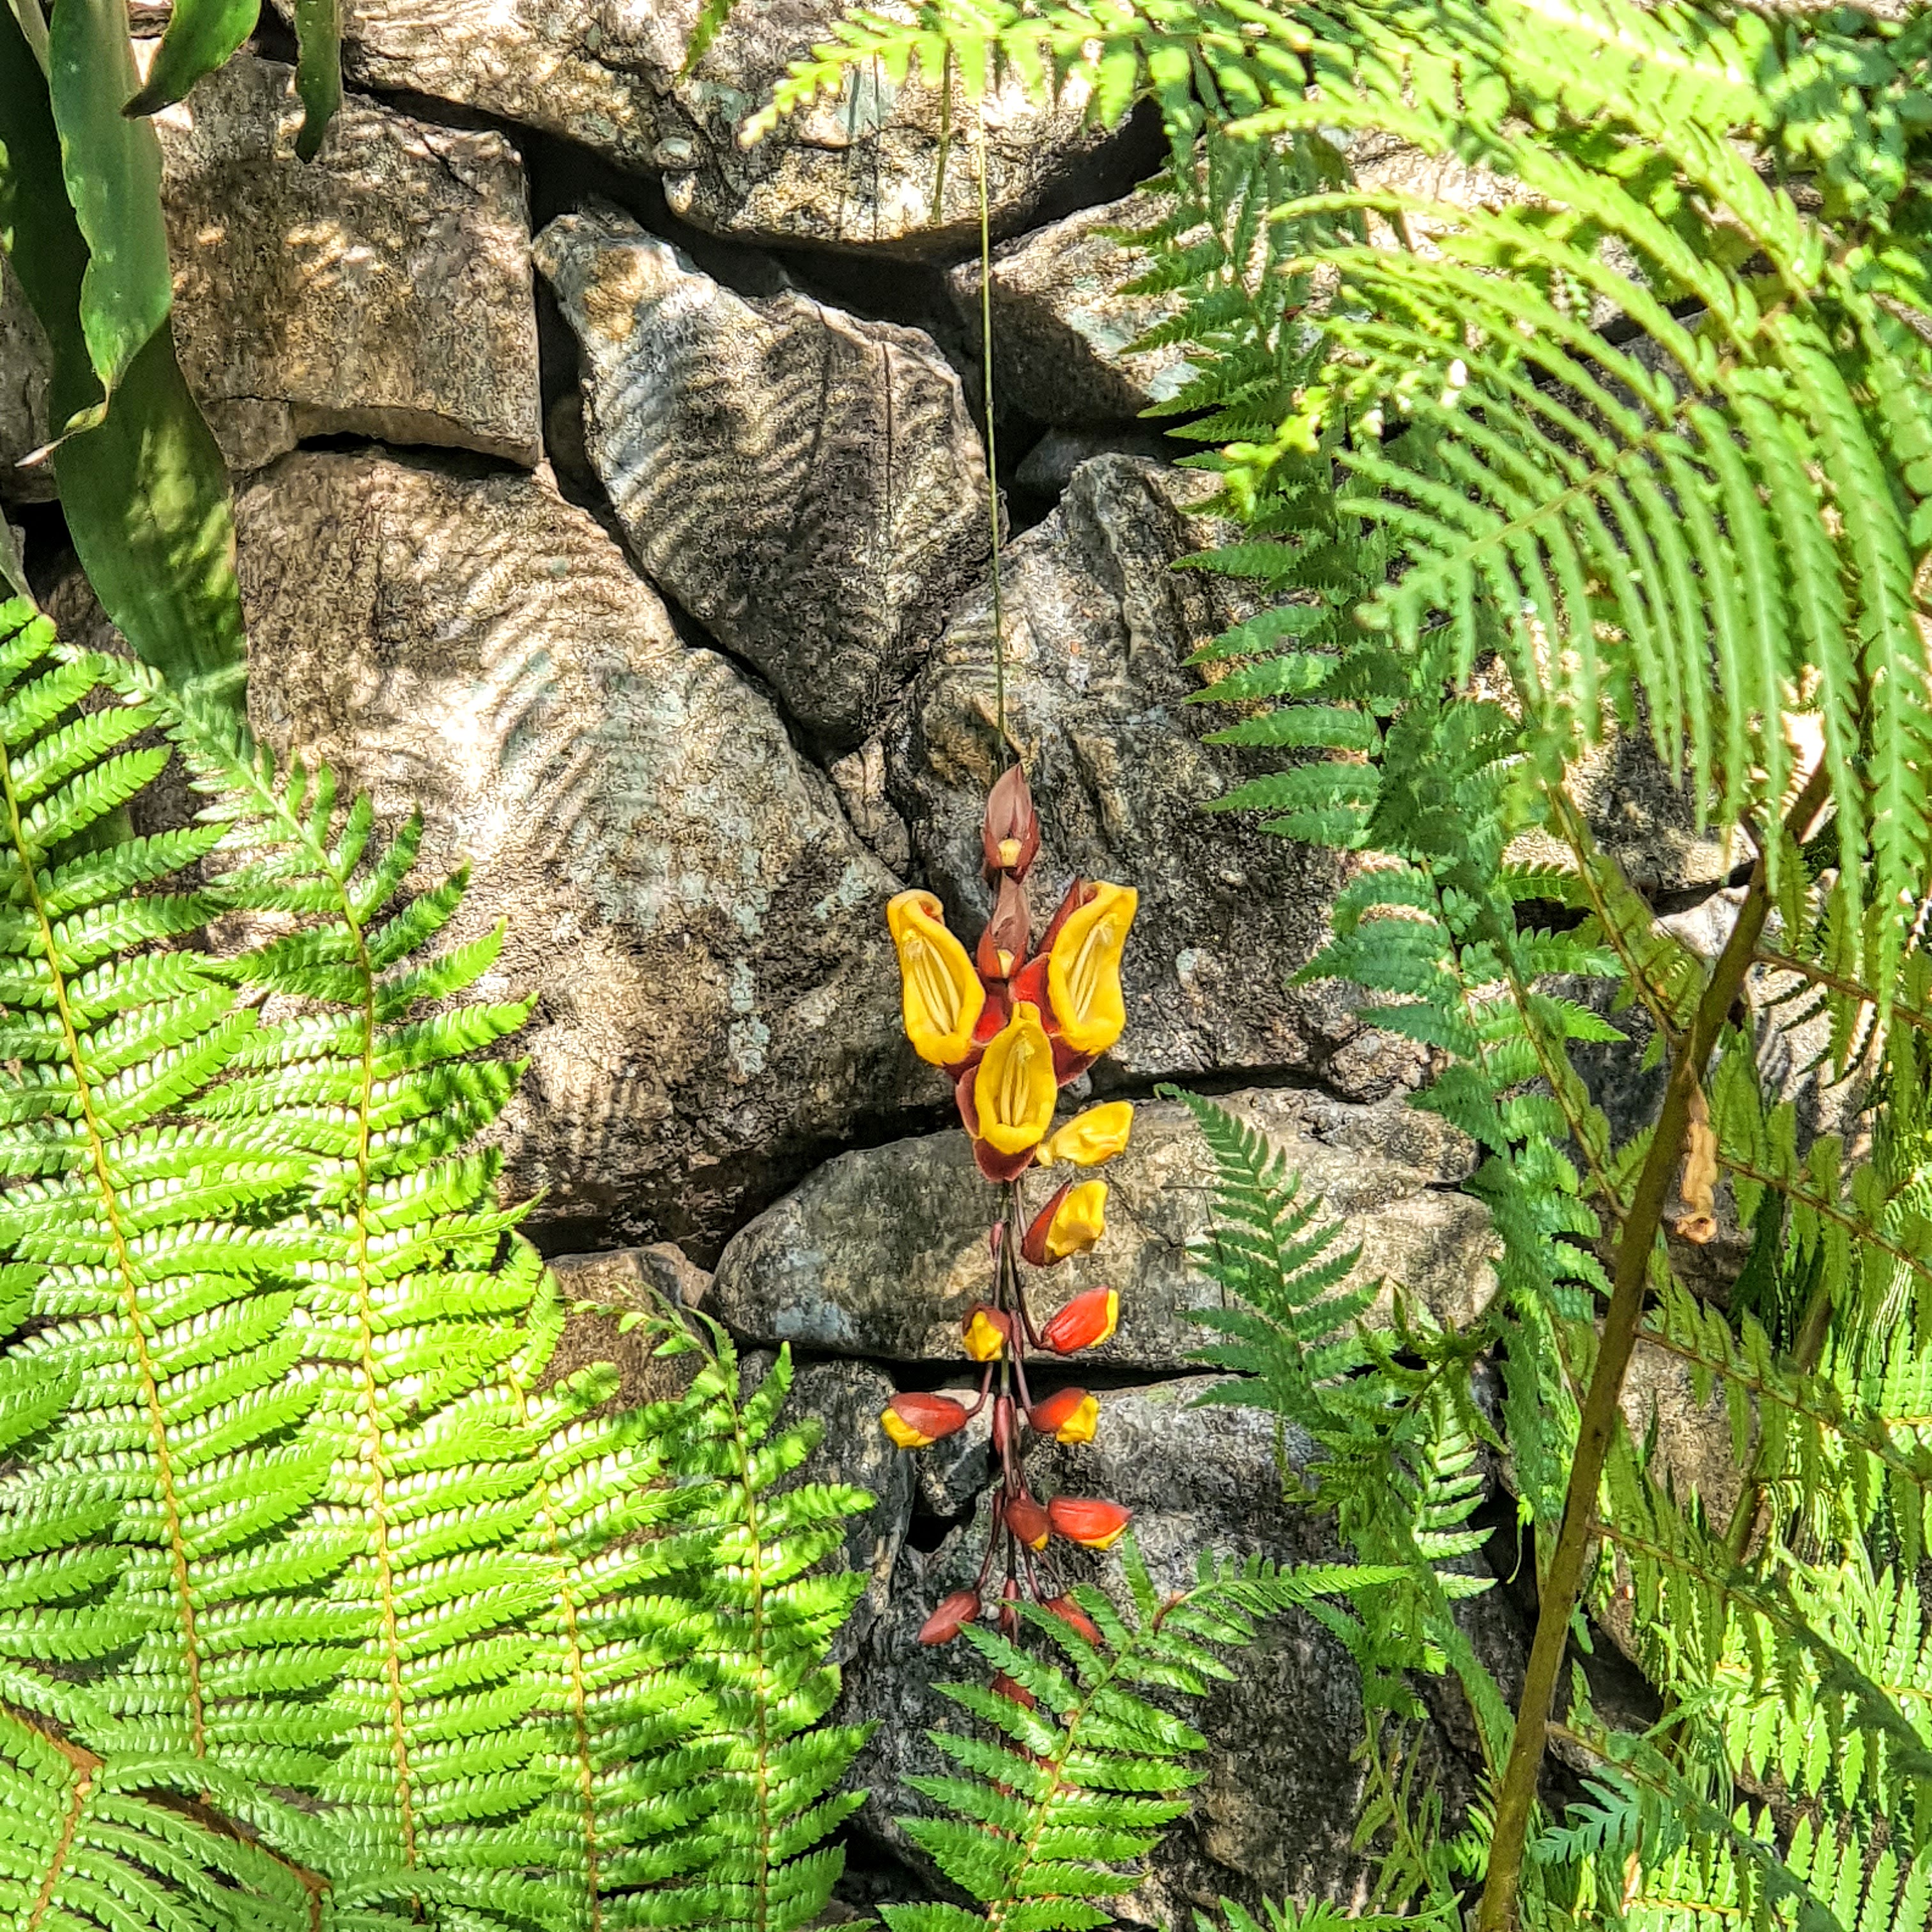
point(1563, 1582)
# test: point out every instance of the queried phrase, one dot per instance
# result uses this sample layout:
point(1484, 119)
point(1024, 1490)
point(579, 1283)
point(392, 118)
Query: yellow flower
point(985, 1332)
point(1090, 1137)
point(1069, 1224)
point(1083, 971)
point(941, 994)
point(1014, 1089)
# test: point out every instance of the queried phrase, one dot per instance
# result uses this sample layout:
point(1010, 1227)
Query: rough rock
point(1062, 323)
point(880, 1252)
point(860, 778)
point(857, 172)
point(383, 289)
point(1641, 817)
point(1046, 469)
point(597, 1291)
point(847, 1397)
point(1098, 624)
point(24, 361)
point(717, 997)
point(807, 485)
point(1278, 1804)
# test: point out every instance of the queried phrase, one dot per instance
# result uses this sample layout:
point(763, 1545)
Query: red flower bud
point(945, 1623)
point(1002, 946)
point(1011, 831)
point(1087, 1519)
point(1068, 1417)
point(1085, 1322)
point(1003, 1686)
point(913, 1420)
point(987, 1332)
point(1073, 1617)
point(1069, 1224)
point(1028, 1522)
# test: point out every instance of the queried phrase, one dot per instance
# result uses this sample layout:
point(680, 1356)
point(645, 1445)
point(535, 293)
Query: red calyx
point(1088, 1519)
point(1003, 1686)
point(1010, 832)
point(1028, 1522)
point(953, 1613)
point(1078, 894)
point(1033, 1244)
point(1073, 1617)
point(1002, 946)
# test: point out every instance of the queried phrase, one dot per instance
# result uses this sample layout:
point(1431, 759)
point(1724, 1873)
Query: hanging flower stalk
point(1012, 1024)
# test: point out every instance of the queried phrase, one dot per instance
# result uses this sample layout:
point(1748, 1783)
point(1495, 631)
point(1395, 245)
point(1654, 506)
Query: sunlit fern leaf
point(766, 1600)
point(149, 1248)
point(1053, 1808)
point(411, 1313)
point(1819, 1885)
point(115, 1844)
point(632, 1778)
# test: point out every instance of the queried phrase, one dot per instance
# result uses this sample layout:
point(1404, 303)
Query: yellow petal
point(984, 1341)
point(1083, 971)
point(1078, 1221)
point(1014, 1090)
point(901, 1431)
point(940, 994)
point(1082, 1425)
point(1090, 1137)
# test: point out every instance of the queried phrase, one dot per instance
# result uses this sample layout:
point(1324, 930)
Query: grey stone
point(860, 778)
point(717, 996)
point(1048, 466)
point(383, 289)
point(856, 172)
point(1277, 1807)
point(807, 484)
point(880, 1252)
point(598, 1290)
point(1642, 818)
point(1063, 323)
point(847, 1397)
point(1099, 625)
point(24, 360)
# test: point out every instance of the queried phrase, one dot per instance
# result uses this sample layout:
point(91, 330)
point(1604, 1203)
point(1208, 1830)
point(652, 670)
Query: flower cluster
point(1012, 1024)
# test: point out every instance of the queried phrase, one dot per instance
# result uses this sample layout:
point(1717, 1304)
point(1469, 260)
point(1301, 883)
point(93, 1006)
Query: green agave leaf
point(200, 36)
point(145, 490)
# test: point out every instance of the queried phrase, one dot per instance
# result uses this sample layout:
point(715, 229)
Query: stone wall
point(618, 494)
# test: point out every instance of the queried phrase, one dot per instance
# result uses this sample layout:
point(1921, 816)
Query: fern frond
point(158, 1273)
point(763, 1766)
point(1078, 1782)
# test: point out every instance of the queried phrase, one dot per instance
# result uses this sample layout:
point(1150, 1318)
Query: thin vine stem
point(1563, 1582)
point(992, 442)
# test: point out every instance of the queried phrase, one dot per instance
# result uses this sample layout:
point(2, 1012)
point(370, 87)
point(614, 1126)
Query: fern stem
point(365, 1321)
point(86, 1767)
point(124, 1264)
point(1784, 962)
point(761, 1739)
point(1563, 1581)
point(998, 1913)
